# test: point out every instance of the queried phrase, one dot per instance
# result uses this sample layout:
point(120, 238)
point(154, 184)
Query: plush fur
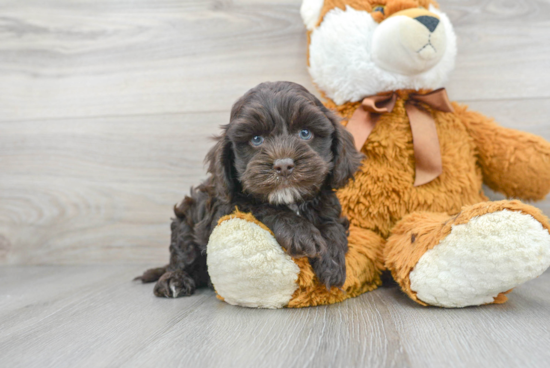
point(517, 248)
point(410, 221)
point(297, 202)
point(481, 259)
point(310, 11)
point(247, 265)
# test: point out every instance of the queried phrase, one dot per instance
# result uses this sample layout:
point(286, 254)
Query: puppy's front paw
point(174, 285)
point(307, 243)
point(330, 270)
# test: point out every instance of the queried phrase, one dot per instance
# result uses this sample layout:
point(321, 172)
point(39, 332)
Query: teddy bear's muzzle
point(409, 42)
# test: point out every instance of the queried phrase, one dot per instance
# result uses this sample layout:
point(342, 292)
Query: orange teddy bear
point(416, 206)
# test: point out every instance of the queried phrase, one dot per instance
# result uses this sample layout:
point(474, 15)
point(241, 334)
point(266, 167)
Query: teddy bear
point(416, 205)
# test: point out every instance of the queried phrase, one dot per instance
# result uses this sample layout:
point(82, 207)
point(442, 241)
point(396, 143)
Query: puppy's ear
point(346, 158)
point(220, 165)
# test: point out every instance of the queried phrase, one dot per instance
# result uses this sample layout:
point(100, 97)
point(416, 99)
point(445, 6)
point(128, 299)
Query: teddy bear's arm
point(514, 163)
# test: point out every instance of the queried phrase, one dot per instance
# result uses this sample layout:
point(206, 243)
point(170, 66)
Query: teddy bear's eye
point(379, 8)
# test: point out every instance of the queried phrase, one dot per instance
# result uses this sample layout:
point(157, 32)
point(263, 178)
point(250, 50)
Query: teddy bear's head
point(359, 48)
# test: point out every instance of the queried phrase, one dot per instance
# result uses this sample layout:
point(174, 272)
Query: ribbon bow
point(427, 152)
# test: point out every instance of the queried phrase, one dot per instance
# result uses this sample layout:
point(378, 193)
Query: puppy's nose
point(429, 22)
point(283, 166)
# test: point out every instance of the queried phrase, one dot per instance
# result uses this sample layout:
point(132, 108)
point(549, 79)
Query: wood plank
point(90, 316)
point(83, 317)
point(503, 49)
point(92, 58)
point(98, 191)
point(509, 335)
point(82, 59)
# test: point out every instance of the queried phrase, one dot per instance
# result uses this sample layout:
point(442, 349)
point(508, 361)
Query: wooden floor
point(106, 109)
point(94, 316)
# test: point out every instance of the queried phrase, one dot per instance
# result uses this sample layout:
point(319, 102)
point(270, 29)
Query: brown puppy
point(280, 158)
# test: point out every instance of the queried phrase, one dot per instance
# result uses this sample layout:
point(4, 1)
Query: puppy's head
point(282, 146)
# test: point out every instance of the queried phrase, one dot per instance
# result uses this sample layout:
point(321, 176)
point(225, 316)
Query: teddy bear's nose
point(428, 21)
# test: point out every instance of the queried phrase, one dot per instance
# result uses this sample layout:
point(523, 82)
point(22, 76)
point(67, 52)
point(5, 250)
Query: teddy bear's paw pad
point(248, 267)
point(477, 261)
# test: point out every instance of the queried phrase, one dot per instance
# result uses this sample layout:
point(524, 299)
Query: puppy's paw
point(174, 285)
point(307, 243)
point(330, 270)
point(151, 275)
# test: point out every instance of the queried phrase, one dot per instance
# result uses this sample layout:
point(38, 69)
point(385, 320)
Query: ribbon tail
point(360, 126)
point(427, 152)
point(437, 99)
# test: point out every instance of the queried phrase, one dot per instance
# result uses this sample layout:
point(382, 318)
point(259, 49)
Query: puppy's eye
point(305, 134)
point(257, 140)
point(379, 8)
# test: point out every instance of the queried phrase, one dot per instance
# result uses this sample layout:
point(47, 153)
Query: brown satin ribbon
point(427, 152)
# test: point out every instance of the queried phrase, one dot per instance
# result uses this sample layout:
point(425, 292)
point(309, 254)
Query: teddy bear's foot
point(477, 261)
point(473, 258)
point(247, 266)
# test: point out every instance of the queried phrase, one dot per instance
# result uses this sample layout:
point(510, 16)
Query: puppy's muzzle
point(284, 167)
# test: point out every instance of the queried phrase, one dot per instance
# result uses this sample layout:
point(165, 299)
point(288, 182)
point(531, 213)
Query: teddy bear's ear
point(310, 11)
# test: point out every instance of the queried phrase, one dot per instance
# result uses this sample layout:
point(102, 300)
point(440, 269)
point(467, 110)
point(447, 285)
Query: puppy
point(281, 157)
